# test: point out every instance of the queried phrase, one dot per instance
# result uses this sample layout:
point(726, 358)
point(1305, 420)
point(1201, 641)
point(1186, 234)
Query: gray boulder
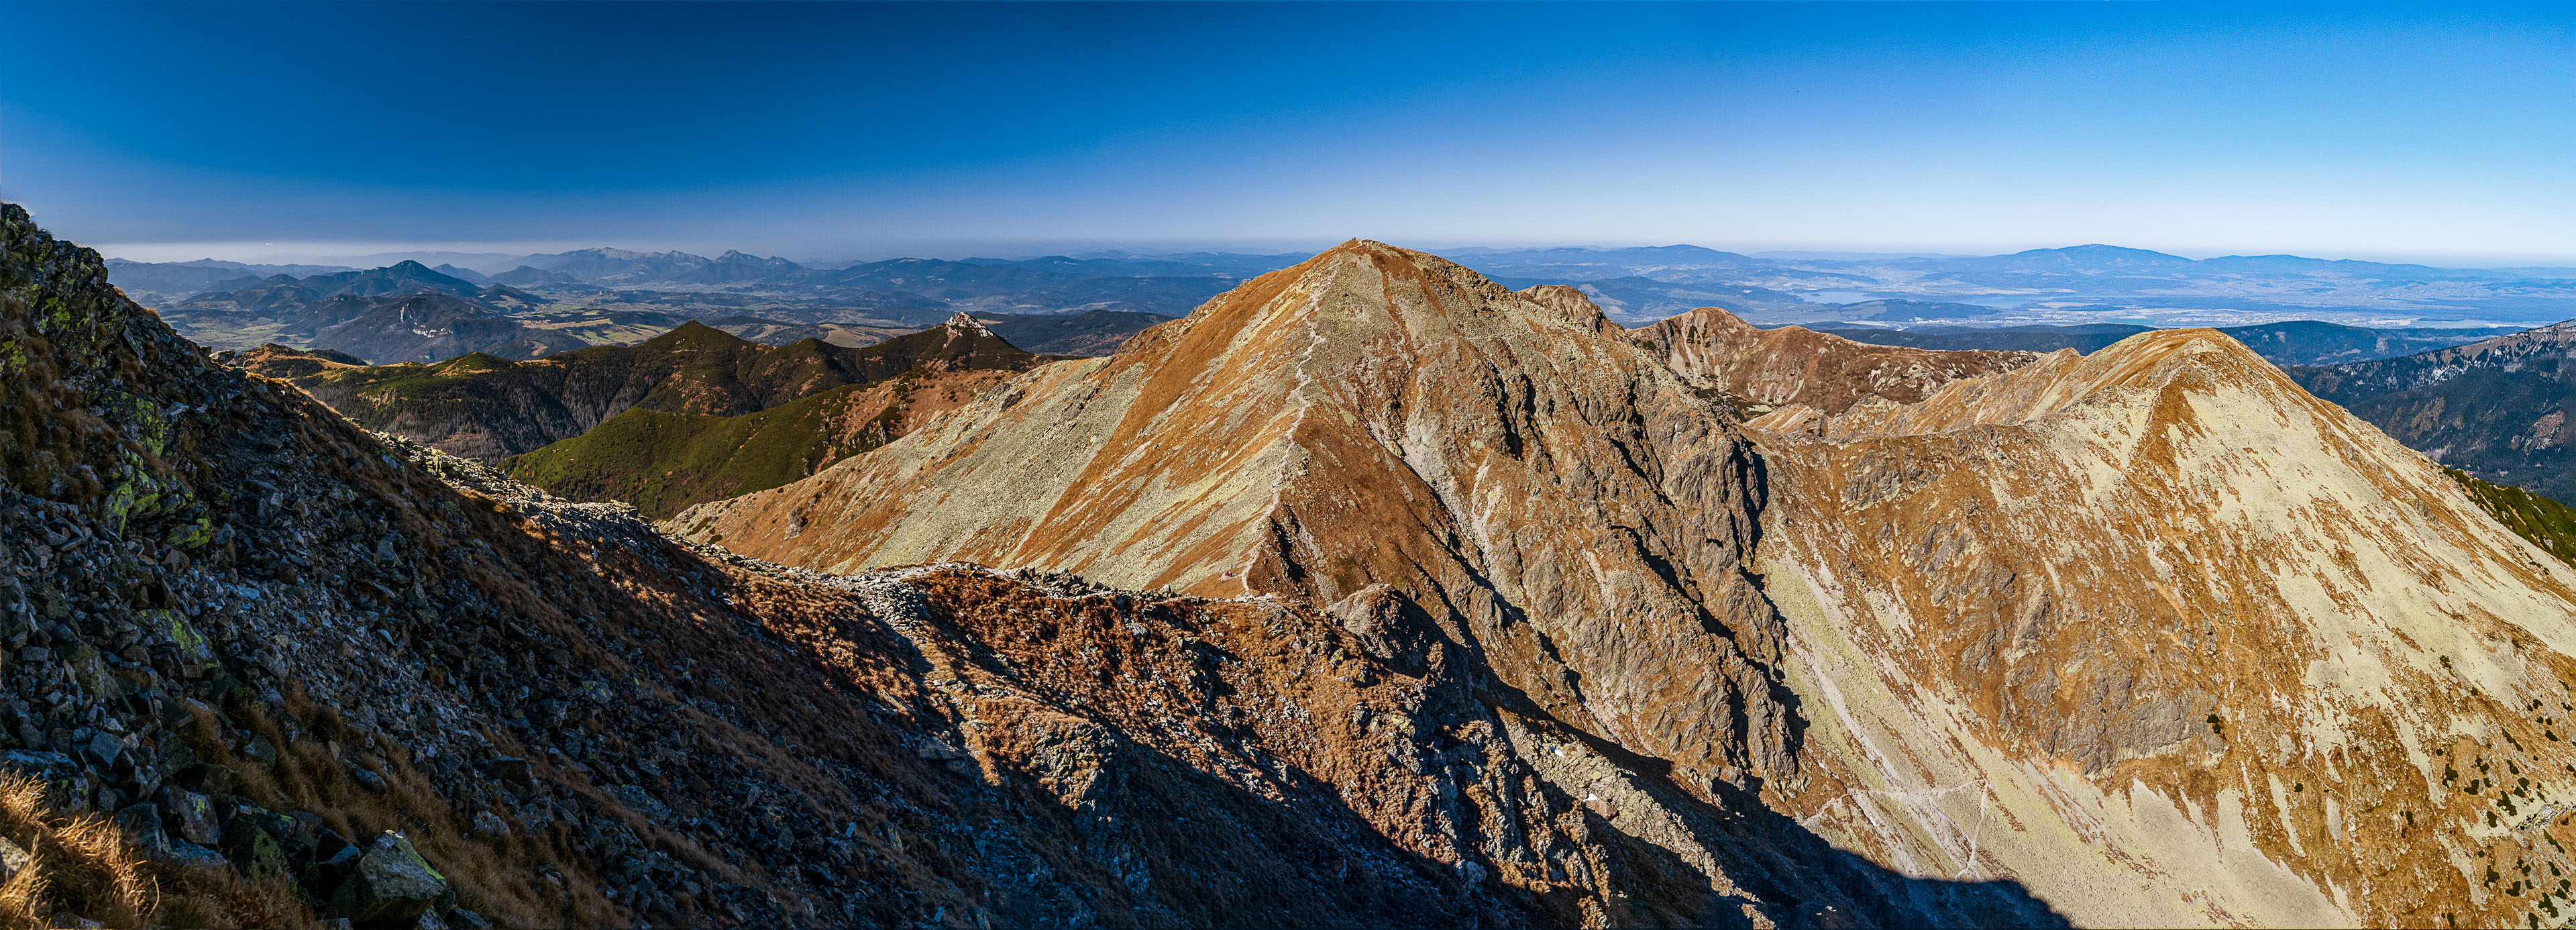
point(392, 883)
point(143, 823)
point(191, 817)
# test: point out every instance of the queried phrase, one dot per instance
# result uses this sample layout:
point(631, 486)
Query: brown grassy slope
point(489, 408)
point(664, 462)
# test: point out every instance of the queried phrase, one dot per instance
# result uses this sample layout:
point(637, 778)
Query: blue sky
point(831, 130)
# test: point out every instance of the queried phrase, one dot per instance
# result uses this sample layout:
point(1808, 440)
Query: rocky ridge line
point(310, 671)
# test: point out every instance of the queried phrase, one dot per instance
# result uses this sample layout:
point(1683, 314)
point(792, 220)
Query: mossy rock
point(252, 850)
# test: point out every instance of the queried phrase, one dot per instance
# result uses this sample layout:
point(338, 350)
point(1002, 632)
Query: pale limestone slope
point(1489, 482)
point(2017, 605)
point(1976, 637)
point(1371, 417)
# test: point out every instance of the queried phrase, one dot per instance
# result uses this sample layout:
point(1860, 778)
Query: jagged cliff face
point(1770, 368)
point(2498, 407)
point(2152, 634)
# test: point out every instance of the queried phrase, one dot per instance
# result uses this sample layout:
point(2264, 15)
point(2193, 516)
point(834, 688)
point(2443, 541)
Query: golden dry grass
point(82, 864)
point(494, 876)
point(86, 865)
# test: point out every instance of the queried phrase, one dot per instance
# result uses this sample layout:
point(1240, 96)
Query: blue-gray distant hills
point(2499, 408)
point(2077, 284)
point(541, 305)
point(2298, 342)
point(527, 306)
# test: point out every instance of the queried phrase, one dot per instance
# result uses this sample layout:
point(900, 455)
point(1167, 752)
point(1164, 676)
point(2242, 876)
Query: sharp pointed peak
point(964, 323)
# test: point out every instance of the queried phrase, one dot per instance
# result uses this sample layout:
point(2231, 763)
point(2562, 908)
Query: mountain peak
point(695, 335)
point(965, 324)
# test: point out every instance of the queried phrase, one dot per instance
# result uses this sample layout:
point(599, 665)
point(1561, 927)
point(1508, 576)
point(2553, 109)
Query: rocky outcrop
point(1768, 368)
point(2153, 634)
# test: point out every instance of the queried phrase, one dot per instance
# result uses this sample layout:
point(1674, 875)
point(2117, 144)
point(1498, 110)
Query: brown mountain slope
point(488, 408)
point(2153, 634)
point(253, 635)
point(2228, 633)
point(1453, 469)
point(1371, 417)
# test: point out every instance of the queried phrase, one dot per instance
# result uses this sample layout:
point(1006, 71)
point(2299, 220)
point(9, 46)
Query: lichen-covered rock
point(253, 847)
point(189, 816)
point(142, 826)
point(390, 883)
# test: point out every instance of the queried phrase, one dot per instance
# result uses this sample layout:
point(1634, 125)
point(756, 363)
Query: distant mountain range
point(403, 312)
point(530, 306)
point(2499, 408)
point(545, 304)
point(2303, 342)
point(2078, 284)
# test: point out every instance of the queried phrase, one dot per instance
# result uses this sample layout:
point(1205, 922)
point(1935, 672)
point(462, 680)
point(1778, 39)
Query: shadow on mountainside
point(1172, 723)
point(1781, 861)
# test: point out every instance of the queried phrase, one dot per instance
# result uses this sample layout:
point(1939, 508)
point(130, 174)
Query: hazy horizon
point(362, 255)
point(850, 131)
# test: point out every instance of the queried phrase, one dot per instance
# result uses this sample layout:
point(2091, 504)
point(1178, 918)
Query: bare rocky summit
point(2151, 636)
